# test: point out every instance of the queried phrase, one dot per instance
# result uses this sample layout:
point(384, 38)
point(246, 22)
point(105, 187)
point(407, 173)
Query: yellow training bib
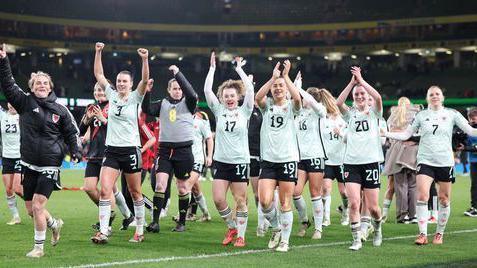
point(172, 115)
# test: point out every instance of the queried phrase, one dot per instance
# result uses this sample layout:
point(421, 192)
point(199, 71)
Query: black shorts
point(176, 161)
point(312, 165)
point(11, 165)
point(199, 168)
point(44, 183)
point(443, 174)
point(254, 167)
point(230, 172)
point(366, 174)
point(93, 169)
point(287, 171)
point(126, 159)
point(334, 172)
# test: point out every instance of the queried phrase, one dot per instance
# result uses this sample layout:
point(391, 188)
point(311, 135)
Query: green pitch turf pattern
point(201, 245)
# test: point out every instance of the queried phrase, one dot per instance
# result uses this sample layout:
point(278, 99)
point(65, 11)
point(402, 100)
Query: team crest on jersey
point(346, 174)
point(444, 118)
point(55, 118)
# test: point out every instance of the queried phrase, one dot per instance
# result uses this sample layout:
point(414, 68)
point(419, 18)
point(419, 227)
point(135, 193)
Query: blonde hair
point(401, 111)
point(235, 84)
point(34, 77)
point(324, 96)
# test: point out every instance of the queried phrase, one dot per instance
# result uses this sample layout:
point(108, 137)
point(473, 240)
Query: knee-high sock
point(326, 206)
point(443, 217)
point(271, 215)
point(122, 206)
point(200, 199)
point(422, 216)
point(104, 215)
point(40, 237)
point(300, 205)
point(242, 218)
point(183, 205)
point(365, 222)
point(286, 220)
point(226, 215)
point(139, 215)
point(386, 206)
point(12, 205)
point(261, 216)
point(355, 232)
point(318, 212)
point(158, 201)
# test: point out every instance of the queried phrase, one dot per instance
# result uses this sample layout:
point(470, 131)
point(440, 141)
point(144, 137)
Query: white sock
point(422, 216)
point(261, 217)
point(443, 217)
point(40, 239)
point(318, 212)
point(326, 206)
point(276, 202)
point(121, 203)
point(300, 205)
point(51, 222)
point(12, 205)
point(365, 222)
point(139, 213)
point(376, 224)
point(226, 215)
point(386, 205)
point(286, 219)
point(355, 226)
point(271, 215)
point(242, 218)
point(104, 215)
point(200, 199)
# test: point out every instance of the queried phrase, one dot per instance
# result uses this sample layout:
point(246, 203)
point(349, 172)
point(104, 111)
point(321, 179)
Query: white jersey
point(334, 144)
point(307, 125)
point(231, 134)
point(10, 127)
point(201, 132)
point(363, 139)
point(123, 130)
point(435, 128)
point(278, 140)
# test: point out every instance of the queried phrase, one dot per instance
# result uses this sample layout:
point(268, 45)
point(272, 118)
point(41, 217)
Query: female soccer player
point(45, 126)
point(202, 133)
point(175, 149)
point(93, 128)
point(435, 160)
point(231, 156)
point(12, 169)
point(312, 158)
point(363, 154)
point(401, 162)
point(278, 152)
point(122, 140)
point(334, 148)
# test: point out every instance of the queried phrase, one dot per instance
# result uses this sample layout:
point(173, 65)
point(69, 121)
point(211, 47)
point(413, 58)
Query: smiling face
point(279, 89)
point(174, 90)
point(230, 98)
point(361, 97)
point(41, 86)
point(434, 97)
point(99, 94)
point(124, 83)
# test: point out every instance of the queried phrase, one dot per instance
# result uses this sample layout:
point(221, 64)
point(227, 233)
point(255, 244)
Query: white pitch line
point(243, 252)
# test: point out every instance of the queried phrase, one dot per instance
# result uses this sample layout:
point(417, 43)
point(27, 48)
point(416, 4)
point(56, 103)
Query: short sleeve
point(267, 105)
point(109, 91)
point(136, 97)
point(246, 111)
point(205, 129)
point(216, 109)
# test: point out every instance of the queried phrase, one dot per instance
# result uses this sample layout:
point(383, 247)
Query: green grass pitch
point(201, 245)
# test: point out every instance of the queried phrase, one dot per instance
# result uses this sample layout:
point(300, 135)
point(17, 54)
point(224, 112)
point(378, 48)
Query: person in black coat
point(47, 126)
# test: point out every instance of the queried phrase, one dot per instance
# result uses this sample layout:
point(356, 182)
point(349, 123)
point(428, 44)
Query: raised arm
point(356, 71)
point(340, 101)
point(249, 96)
point(261, 95)
point(294, 92)
point(463, 124)
point(148, 107)
point(191, 97)
point(98, 66)
point(210, 97)
point(319, 109)
point(141, 87)
point(402, 136)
